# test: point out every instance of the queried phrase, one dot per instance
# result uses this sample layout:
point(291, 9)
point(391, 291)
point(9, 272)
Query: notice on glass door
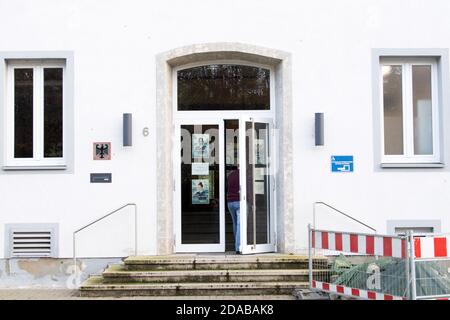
point(200, 169)
point(259, 174)
point(200, 191)
point(259, 187)
point(200, 146)
point(260, 151)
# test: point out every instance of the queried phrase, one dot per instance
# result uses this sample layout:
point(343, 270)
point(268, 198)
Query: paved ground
point(63, 294)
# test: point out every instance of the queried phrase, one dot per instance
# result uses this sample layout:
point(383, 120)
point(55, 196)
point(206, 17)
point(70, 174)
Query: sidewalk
point(38, 294)
point(64, 294)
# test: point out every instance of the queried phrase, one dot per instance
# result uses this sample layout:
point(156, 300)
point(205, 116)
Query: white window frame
point(38, 160)
point(408, 156)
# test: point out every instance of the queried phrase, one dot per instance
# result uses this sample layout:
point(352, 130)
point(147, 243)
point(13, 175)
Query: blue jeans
point(234, 207)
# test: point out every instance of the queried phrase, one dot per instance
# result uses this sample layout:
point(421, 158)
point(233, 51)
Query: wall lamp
point(319, 131)
point(127, 130)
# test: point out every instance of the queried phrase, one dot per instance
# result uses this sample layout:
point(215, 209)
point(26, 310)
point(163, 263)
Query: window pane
point(23, 113)
point(53, 112)
point(392, 107)
point(422, 110)
point(224, 87)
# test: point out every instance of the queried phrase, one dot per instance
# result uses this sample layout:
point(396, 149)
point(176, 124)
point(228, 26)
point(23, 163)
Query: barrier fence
point(432, 267)
point(379, 267)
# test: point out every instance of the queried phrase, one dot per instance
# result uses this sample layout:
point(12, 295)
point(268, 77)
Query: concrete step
point(221, 262)
point(96, 287)
point(117, 274)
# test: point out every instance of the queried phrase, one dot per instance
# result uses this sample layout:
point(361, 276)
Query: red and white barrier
point(353, 292)
point(432, 247)
point(359, 243)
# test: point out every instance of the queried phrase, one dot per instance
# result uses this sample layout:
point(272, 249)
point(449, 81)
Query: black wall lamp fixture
point(127, 130)
point(319, 131)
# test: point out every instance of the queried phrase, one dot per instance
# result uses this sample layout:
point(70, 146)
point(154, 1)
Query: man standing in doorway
point(233, 201)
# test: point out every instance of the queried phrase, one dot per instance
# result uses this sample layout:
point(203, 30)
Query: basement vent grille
point(32, 244)
point(419, 227)
point(32, 241)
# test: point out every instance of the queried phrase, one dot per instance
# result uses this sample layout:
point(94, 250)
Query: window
point(410, 111)
point(223, 87)
point(35, 106)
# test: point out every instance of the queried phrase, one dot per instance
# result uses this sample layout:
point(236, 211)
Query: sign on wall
point(102, 150)
point(341, 163)
point(101, 177)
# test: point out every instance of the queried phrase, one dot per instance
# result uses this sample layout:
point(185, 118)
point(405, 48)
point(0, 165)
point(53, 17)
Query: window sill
point(35, 167)
point(413, 165)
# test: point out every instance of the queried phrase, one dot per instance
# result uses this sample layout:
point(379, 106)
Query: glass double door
point(207, 154)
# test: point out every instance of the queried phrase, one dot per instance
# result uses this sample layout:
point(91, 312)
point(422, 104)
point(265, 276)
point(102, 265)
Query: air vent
point(32, 240)
point(417, 230)
point(32, 244)
point(419, 227)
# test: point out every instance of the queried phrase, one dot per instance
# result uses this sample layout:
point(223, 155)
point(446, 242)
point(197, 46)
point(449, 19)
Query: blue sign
point(341, 163)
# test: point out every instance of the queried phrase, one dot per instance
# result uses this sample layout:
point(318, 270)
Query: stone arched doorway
point(165, 63)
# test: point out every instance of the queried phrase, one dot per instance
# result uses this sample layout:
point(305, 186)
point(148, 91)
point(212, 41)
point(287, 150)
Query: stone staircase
point(204, 275)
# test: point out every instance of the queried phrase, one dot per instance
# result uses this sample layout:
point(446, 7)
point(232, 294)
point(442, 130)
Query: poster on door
point(260, 151)
point(200, 146)
point(200, 191)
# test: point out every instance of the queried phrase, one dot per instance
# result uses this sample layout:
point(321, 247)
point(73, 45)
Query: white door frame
point(220, 247)
point(271, 246)
point(178, 246)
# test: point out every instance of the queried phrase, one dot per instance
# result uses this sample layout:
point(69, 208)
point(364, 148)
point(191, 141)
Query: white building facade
point(378, 71)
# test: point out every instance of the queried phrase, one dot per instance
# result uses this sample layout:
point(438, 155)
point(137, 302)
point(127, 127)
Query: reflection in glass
point(224, 87)
point(422, 109)
point(392, 107)
point(53, 112)
point(23, 113)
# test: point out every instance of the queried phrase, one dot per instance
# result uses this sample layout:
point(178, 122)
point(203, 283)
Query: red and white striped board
point(353, 292)
point(432, 247)
point(377, 245)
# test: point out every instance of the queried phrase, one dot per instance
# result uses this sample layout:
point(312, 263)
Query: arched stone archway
point(281, 62)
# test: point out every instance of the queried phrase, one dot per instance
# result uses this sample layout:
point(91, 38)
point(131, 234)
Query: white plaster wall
point(115, 44)
point(332, 74)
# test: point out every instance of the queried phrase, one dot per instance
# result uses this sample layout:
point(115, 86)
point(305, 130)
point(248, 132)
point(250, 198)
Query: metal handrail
point(100, 219)
point(339, 211)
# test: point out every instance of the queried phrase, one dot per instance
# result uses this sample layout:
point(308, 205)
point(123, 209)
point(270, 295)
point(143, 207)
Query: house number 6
point(145, 131)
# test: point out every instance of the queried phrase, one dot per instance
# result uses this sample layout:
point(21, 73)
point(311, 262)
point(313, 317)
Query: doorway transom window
point(223, 87)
